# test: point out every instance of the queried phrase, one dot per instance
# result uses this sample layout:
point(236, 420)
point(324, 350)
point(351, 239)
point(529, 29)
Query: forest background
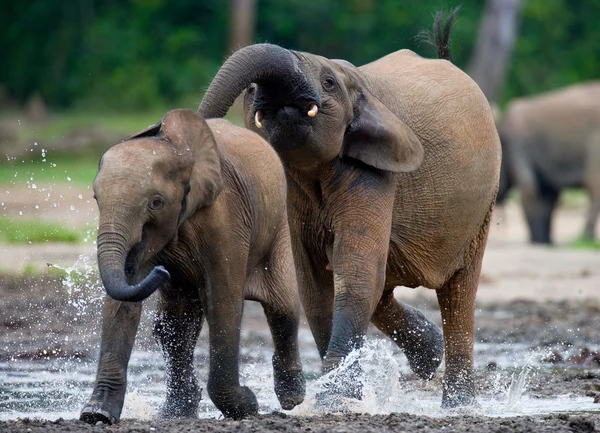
point(153, 55)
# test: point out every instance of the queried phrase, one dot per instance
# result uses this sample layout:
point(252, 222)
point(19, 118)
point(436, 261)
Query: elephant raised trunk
point(265, 64)
point(112, 250)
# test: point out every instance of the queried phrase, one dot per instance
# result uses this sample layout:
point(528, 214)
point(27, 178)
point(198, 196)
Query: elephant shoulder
point(241, 143)
point(248, 159)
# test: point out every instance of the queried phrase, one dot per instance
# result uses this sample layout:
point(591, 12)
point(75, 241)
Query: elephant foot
point(94, 414)
point(422, 342)
point(104, 406)
point(327, 401)
point(459, 395)
point(290, 388)
point(236, 403)
point(344, 383)
point(181, 404)
point(458, 401)
point(337, 398)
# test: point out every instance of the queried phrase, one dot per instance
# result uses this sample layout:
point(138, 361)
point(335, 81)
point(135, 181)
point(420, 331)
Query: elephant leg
point(358, 260)
point(421, 340)
point(279, 298)
point(224, 303)
point(176, 329)
point(315, 285)
point(538, 211)
point(457, 305)
point(592, 182)
point(119, 325)
point(590, 225)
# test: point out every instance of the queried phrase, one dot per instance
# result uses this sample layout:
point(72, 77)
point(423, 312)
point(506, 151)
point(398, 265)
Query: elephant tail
point(439, 37)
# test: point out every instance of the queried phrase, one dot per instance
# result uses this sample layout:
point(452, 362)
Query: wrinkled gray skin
point(198, 209)
point(391, 183)
point(551, 142)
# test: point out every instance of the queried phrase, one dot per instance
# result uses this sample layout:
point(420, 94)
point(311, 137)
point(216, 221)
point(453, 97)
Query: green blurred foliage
point(20, 231)
point(144, 54)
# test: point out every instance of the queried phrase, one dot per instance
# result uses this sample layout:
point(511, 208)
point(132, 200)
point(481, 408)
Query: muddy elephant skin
point(197, 210)
point(392, 171)
point(550, 142)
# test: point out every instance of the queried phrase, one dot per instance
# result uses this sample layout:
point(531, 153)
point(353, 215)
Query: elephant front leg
point(176, 329)
point(119, 326)
point(457, 306)
point(358, 284)
point(358, 259)
point(224, 313)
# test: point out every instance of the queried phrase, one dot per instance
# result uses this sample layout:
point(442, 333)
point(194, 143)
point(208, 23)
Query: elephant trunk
point(112, 252)
point(264, 64)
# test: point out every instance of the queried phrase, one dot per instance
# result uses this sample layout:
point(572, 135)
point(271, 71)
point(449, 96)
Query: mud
point(44, 319)
point(538, 312)
point(395, 422)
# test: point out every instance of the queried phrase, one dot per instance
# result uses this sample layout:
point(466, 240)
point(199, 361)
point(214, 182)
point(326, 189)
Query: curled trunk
point(264, 64)
point(111, 263)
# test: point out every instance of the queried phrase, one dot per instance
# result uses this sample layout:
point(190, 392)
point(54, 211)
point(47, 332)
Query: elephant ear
point(190, 134)
point(377, 137)
point(150, 131)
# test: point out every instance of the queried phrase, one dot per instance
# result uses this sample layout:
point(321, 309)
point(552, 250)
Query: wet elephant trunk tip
point(118, 289)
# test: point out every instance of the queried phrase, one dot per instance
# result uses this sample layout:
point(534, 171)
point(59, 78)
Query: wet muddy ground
point(538, 369)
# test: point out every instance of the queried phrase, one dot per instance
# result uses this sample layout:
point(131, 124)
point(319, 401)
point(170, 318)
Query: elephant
point(392, 172)
point(197, 210)
point(550, 142)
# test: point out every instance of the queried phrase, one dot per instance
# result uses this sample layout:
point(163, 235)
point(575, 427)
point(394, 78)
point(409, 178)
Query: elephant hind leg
point(457, 306)
point(176, 329)
point(420, 339)
point(278, 294)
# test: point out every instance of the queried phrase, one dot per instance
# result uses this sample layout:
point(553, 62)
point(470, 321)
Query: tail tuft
point(439, 37)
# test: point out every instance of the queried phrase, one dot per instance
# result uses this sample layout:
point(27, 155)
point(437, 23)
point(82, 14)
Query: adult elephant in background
point(198, 210)
point(550, 142)
point(392, 171)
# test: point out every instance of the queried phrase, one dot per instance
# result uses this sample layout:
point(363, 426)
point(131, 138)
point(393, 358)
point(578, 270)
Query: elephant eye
point(251, 89)
point(328, 83)
point(156, 203)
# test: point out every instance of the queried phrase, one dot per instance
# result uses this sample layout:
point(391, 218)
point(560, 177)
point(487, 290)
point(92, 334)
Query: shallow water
point(58, 388)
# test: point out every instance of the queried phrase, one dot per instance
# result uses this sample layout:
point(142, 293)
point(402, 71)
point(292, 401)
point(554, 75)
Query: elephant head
point(146, 187)
point(312, 109)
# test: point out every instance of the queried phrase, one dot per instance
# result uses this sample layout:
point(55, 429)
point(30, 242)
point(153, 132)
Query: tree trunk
point(242, 23)
point(495, 42)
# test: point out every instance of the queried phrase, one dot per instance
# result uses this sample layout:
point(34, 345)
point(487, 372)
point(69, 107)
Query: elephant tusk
point(258, 116)
point(313, 110)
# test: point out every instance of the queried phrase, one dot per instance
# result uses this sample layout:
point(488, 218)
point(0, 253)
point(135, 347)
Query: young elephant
point(392, 171)
point(199, 209)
